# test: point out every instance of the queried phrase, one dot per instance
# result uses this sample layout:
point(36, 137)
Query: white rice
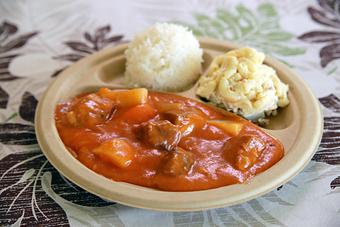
point(164, 57)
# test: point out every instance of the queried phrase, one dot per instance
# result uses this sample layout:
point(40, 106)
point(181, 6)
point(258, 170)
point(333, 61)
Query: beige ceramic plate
point(299, 127)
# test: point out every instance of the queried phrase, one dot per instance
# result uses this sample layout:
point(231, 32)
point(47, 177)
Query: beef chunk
point(187, 120)
point(178, 162)
point(90, 111)
point(244, 150)
point(161, 134)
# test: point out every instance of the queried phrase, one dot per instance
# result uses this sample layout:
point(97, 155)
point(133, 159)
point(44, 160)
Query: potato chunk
point(125, 98)
point(230, 127)
point(178, 162)
point(116, 151)
point(160, 134)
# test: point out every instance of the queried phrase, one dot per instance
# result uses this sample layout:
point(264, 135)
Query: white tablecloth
point(39, 38)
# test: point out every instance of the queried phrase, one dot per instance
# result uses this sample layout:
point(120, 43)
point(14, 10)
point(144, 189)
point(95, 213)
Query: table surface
point(40, 38)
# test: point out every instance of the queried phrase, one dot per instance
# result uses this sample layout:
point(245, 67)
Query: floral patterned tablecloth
point(40, 38)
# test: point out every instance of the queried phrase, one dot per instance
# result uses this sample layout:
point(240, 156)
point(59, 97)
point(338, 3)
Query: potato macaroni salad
point(240, 82)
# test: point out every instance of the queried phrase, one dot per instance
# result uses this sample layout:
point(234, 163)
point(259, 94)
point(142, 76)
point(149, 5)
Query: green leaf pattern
point(260, 29)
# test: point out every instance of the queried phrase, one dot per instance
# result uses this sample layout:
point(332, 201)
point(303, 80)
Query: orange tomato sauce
point(162, 140)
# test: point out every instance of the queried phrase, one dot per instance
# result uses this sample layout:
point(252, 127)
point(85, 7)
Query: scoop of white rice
point(164, 57)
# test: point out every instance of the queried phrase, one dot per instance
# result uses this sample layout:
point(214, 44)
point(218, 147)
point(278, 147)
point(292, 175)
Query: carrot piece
point(116, 151)
point(138, 114)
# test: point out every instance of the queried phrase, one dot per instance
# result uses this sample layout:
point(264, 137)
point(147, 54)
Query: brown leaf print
point(75, 194)
point(5, 60)
point(328, 15)
point(332, 123)
point(17, 134)
point(327, 5)
point(320, 36)
point(4, 96)
point(331, 102)
point(8, 28)
point(114, 39)
point(89, 38)
point(102, 32)
point(329, 53)
point(27, 107)
point(56, 73)
point(323, 18)
point(98, 40)
point(9, 43)
point(78, 46)
point(70, 57)
point(335, 183)
point(17, 42)
point(22, 193)
point(329, 151)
